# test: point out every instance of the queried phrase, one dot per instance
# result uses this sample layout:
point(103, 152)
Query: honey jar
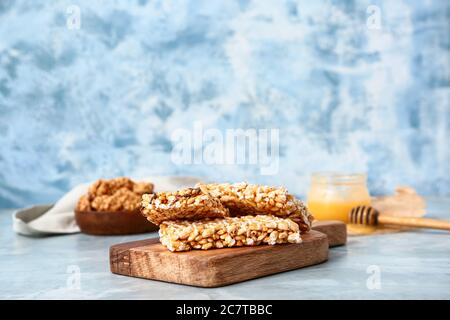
point(333, 195)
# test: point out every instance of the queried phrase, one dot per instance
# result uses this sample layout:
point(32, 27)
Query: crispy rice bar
point(188, 204)
point(228, 232)
point(249, 199)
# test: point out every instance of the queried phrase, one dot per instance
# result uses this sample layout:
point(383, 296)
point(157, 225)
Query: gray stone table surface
point(408, 265)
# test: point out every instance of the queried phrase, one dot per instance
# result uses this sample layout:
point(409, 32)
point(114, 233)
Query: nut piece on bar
point(118, 194)
point(188, 204)
point(228, 232)
point(250, 199)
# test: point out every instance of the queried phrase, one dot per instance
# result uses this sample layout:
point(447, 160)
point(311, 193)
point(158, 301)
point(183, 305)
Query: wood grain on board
point(213, 268)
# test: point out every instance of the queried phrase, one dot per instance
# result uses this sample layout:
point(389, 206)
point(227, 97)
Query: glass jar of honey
point(333, 195)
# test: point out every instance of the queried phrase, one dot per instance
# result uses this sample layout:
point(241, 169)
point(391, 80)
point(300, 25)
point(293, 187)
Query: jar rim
point(338, 177)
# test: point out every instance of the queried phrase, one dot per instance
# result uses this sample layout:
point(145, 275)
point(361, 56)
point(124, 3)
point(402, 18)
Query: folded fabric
point(44, 220)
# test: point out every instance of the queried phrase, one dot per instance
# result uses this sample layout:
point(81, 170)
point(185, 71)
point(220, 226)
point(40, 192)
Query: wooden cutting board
point(336, 231)
point(214, 268)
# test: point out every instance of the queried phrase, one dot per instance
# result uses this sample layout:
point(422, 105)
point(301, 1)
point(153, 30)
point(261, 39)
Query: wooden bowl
point(113, 222)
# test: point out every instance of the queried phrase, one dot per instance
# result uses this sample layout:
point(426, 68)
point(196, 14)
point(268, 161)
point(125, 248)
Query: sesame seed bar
point(189, 204)
point(228, 232)
point(250, 199)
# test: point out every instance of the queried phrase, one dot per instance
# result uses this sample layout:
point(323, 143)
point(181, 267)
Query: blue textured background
point(103, 100)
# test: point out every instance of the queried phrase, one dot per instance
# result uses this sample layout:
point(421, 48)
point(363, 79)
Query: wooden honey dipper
point(370, 216)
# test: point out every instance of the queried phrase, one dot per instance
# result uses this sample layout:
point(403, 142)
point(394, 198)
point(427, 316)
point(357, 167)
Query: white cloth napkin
point(43, 220)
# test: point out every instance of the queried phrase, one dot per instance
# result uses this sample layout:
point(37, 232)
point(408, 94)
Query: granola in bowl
point(111, 207)
point(118, 194)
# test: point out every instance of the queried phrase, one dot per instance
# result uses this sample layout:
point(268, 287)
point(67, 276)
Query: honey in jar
point(333, 195)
